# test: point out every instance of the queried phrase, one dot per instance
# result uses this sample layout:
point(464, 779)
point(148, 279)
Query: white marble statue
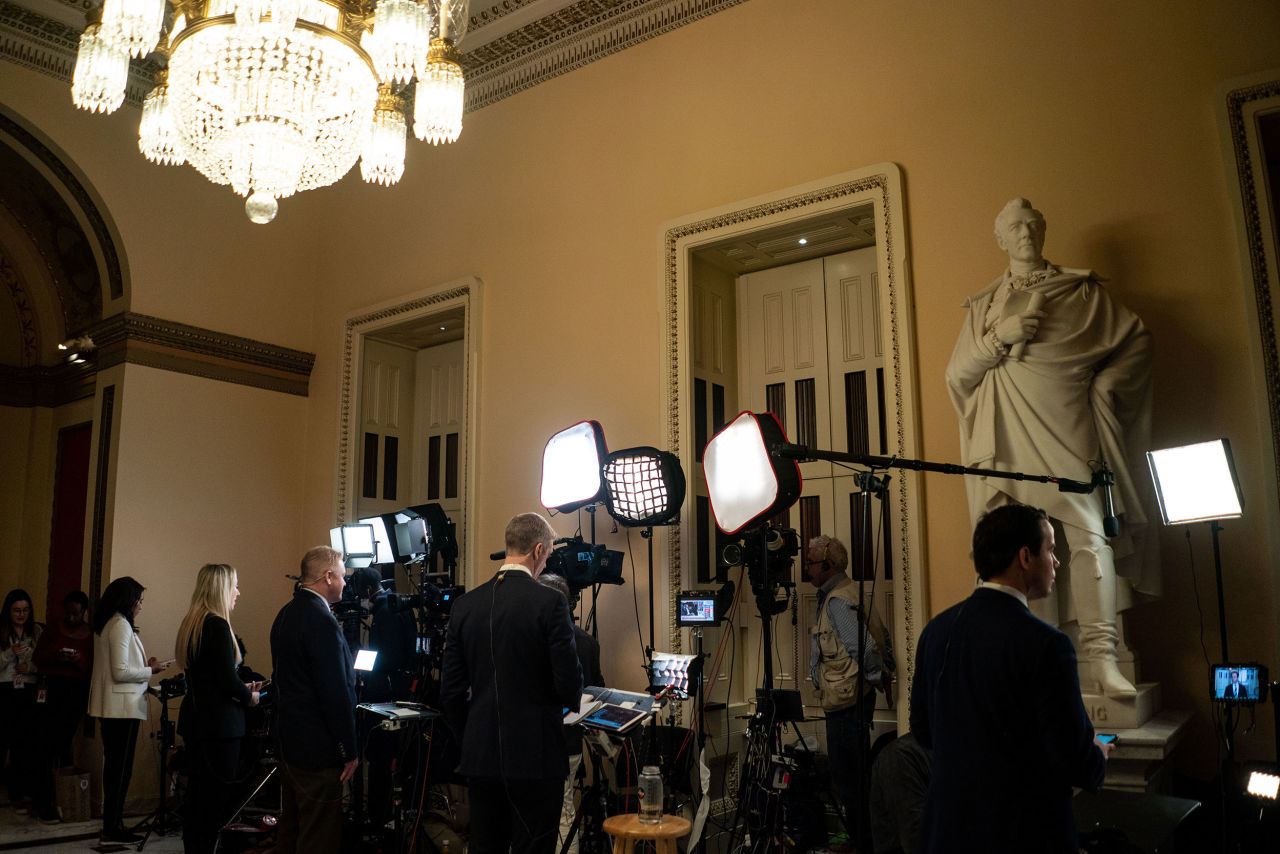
point(1050, 374)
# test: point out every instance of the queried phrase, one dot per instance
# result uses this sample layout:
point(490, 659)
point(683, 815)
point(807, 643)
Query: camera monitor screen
point(1239, 683)
point(697, 610)
point(365, 659)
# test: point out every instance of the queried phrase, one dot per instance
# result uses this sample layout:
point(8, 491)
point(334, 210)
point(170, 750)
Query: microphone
point(1105, 478)
point(502, 555)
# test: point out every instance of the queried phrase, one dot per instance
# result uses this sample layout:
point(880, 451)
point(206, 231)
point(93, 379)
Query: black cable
point(635, 596)
point(1195, 588)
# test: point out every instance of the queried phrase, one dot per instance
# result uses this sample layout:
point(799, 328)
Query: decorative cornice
point(571, 38)
point(141, 340)
point(137, 339)
point(488, 13)
point(40, 385)
point(554, 44)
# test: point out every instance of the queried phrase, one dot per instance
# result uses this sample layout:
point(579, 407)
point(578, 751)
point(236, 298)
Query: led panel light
point(1196, 483)
point(382, 537)
point(1263, 784)
point(745, 482)
point(356, 544)
point(571, 467)
point(643, 487)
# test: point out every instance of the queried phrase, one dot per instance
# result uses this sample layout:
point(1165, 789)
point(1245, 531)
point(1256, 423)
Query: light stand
point(161, 820)
point(1197, 483)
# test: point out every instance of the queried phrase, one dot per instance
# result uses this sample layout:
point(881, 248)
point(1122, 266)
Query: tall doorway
point(408, 397)
point(800, 306)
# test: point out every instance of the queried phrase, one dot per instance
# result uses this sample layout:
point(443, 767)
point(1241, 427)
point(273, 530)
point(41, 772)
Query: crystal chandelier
point(273, 97)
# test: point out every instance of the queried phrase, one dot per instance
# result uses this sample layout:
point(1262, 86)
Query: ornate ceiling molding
point(571, 38)
point(138, 339)
point(566, 38)
point(142, 340)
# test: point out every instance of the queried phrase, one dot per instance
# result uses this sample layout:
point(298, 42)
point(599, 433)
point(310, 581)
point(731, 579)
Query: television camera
point(580, 563)
point(768, 556)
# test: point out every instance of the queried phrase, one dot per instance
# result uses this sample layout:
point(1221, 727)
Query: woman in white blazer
point(117, 696)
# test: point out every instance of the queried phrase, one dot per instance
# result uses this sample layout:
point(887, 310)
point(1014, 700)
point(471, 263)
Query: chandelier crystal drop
point(438, 101)
point(158, 137)
point(282, 15)
point(274, 97)
point(102, 72)
point(453, 16)
point(133, 24)
point(382, 161)
point(401, 34)
point(267, 113)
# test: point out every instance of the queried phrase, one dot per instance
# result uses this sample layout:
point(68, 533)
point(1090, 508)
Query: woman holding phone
point(19, 633)
point(211, 721)
point(117, 695)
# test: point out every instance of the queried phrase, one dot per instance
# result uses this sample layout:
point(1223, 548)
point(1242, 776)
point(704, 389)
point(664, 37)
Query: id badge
point(42, 694)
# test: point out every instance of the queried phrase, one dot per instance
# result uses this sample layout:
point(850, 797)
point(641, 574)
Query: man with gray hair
point(1049, 375)
point(315, 688)
point(510, 670)
point(834, 668)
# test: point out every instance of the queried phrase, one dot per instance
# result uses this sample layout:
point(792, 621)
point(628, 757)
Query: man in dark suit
point(592, 675)
point(510, 645)
point(315, 702)
point(1234, 690)
point(996, 697)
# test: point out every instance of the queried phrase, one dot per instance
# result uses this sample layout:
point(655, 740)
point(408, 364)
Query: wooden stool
point(626, 829)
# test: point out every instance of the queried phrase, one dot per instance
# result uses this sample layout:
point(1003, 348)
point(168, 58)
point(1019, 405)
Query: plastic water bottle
point(650, 783)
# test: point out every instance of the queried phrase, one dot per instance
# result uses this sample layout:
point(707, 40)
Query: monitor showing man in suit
point(1236, 683)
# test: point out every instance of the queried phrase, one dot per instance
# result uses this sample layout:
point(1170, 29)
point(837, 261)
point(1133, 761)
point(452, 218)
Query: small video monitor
point(697, 608)
point(365, 659)
point(1239, 683)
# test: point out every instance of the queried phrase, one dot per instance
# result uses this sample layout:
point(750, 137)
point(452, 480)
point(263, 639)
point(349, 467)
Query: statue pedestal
point(1108, 714)
point(1138, 762)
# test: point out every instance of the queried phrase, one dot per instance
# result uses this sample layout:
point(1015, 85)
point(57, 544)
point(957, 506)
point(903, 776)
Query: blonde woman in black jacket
point(211, 721)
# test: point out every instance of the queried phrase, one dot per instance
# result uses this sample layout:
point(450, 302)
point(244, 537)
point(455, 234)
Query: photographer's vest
point(837, 670)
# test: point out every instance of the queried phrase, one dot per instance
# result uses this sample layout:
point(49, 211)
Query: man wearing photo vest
point(833, 667)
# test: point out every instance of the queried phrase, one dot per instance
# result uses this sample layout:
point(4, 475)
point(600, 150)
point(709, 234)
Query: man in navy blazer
point(510, 670)
point(315, 687)
point(996, 696)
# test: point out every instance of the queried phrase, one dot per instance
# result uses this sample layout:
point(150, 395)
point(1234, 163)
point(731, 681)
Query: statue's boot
point(1093, 592)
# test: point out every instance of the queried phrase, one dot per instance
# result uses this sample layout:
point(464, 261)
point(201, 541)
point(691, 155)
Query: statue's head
point(1020, 231)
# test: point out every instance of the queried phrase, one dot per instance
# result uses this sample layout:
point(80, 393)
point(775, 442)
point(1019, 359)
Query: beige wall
point(209, 472)
point(1103, 114)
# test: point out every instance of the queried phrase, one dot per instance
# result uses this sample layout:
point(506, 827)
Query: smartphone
point(1106, 737)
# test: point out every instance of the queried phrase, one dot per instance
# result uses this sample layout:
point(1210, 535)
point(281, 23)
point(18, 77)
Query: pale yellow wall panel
point(209, 472)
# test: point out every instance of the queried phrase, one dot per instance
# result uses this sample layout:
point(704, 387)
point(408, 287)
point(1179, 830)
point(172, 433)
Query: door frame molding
point(880, 186)
point(464, 293)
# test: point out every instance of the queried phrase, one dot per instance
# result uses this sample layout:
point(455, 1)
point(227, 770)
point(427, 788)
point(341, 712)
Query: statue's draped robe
point(1080, 393)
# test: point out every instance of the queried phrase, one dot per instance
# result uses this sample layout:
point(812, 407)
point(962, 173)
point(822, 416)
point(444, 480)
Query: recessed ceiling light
point(442, 328)
point(803, 241)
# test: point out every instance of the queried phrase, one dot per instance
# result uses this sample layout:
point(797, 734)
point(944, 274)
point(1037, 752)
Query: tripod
point(162, 819)
point(756, 794)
